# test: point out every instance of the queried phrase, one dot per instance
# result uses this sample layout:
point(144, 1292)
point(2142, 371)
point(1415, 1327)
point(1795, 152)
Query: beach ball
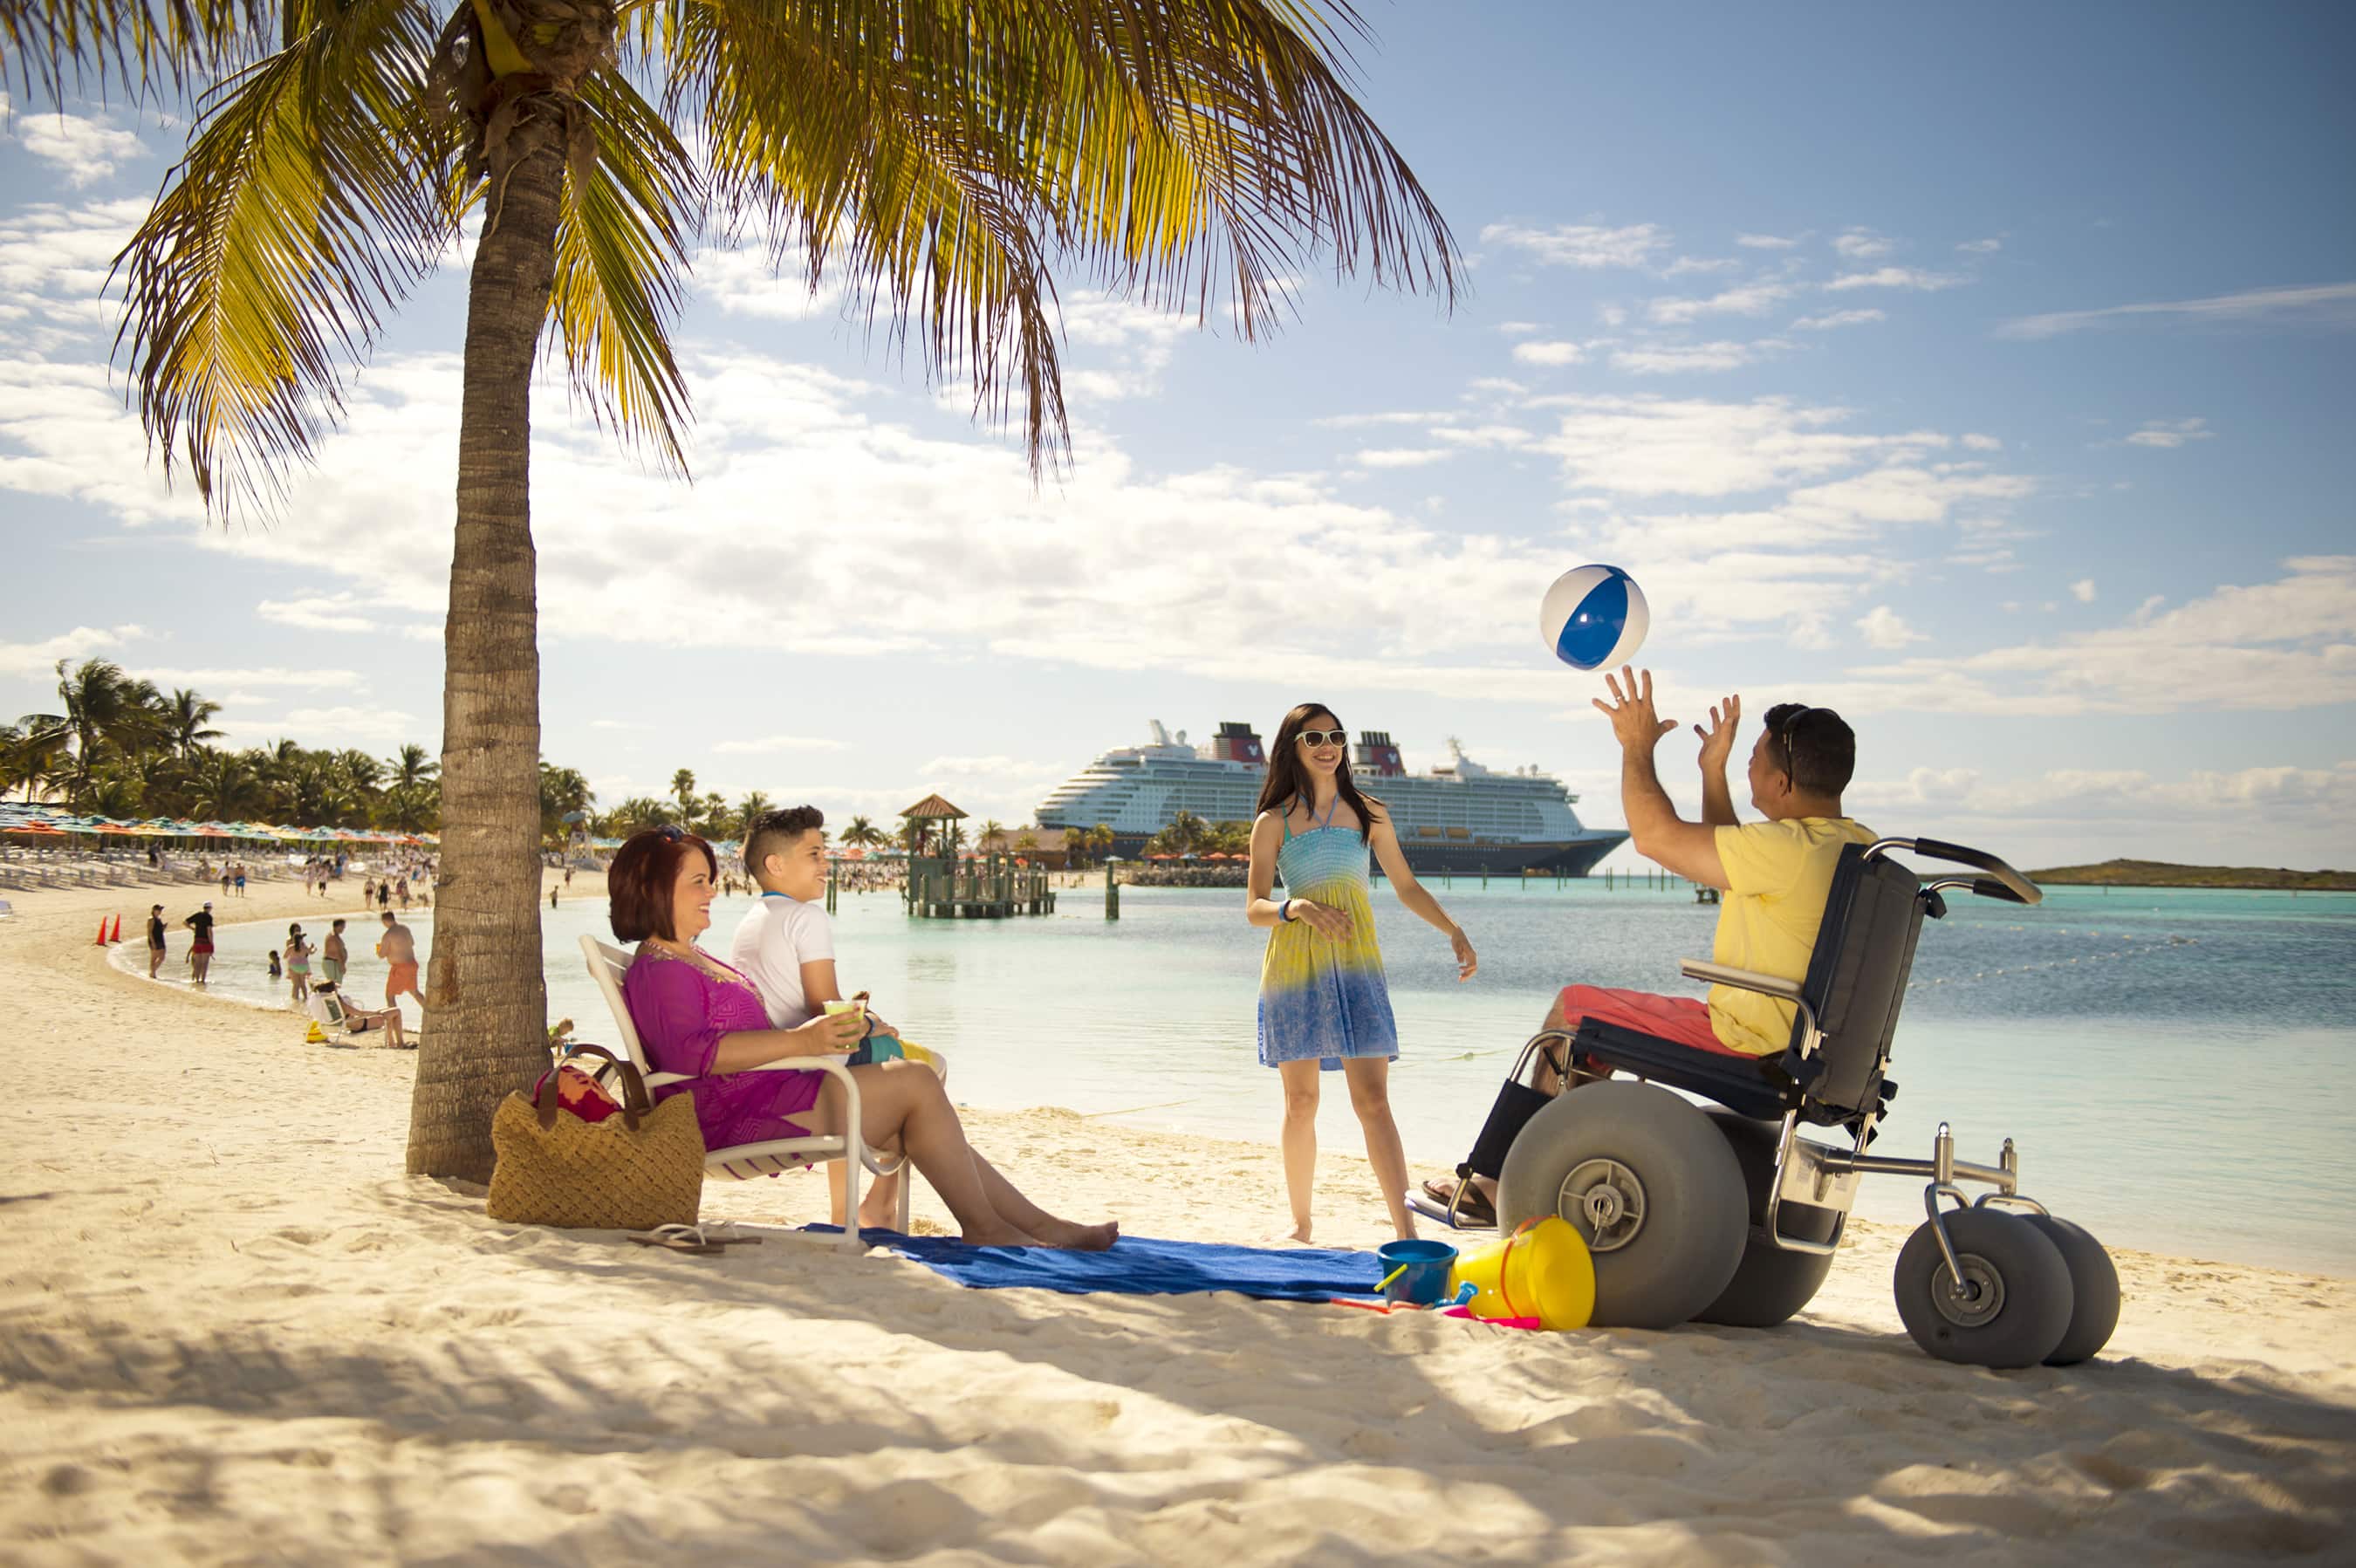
point(1594, 617)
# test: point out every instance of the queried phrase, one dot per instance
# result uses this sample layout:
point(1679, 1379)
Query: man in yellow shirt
point(1774, 874)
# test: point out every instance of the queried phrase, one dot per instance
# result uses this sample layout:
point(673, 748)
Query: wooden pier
point(988, 888)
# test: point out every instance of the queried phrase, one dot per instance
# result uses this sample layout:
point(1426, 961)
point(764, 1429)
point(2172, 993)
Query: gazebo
point(924, 816)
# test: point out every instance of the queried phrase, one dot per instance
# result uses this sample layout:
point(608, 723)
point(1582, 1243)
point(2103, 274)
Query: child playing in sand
point(786, 947)
point(1322, 997)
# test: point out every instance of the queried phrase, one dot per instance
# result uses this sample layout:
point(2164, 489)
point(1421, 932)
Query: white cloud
point(273, 677)
point(1862, 245)
point(1977, 442)
point(2171, 433)
point(1581, 245)
point(1746, 299)
point(2330, 305)
point(1684, 358)
point(87, 149)
point(1650, 446)
point(1552, 353)
point(2082, 590)
point(769, 744)
point(37, 660)
point(1765, 242)
point(1896, 277)
point(1683, 265)
point(371, 727)
point(346, 611)
point(1884, 627)
point(2281, 646)
point(1401, 456)
point(1832, 319)
point(1520, 328)
point(1980, 247)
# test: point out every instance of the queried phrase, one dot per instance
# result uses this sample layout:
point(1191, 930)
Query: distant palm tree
point(861, 834)
point(186, 720)
point(754, 805)
point(224, 787)
point(683, 789)
point(992, 837)
point(414, 765)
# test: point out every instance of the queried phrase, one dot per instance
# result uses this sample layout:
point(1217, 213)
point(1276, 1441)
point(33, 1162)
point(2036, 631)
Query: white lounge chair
point(608, 964)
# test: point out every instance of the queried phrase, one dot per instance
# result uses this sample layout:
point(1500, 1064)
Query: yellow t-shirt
point(1778, 876)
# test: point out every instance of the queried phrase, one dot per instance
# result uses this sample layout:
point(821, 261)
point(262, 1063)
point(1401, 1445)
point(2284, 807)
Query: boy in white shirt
point(786, 947)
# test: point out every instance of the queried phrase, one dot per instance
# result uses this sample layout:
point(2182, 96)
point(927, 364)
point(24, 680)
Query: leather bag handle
point(635, 1100)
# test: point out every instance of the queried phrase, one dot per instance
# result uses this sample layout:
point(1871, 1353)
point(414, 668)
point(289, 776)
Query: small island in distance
point(2161, 874)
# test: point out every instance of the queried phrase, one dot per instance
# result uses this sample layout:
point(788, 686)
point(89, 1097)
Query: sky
point(1990, 376)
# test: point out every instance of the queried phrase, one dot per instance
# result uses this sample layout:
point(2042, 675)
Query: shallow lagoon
point(2178, 1066)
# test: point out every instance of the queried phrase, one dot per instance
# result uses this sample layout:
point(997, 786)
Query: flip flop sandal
point(1475, 1209)
point(712, 1238)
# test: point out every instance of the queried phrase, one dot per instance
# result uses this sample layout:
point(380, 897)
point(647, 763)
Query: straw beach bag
point(630, 1172)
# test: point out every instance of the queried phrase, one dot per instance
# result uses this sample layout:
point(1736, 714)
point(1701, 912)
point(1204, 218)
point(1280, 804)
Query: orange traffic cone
point(116, 934)
point(101, 933)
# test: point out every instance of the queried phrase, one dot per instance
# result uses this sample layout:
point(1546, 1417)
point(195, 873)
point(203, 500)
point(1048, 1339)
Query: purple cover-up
point(680, 1013)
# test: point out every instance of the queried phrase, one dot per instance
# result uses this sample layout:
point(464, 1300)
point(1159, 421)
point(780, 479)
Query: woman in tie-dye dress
point(1323, 1000)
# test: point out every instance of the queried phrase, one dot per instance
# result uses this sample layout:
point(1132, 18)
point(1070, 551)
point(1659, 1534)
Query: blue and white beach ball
point(1594, 617)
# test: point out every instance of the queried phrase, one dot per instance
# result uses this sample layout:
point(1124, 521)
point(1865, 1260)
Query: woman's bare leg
point(901, 1110)
point(1300, 1140)
point(1370, 1097)
point(1008, 1200)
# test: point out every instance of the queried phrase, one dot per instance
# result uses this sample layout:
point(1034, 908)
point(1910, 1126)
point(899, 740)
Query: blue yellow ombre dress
point(1322, 999)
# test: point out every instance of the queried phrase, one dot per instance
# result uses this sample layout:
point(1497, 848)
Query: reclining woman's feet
point(1080, 1238)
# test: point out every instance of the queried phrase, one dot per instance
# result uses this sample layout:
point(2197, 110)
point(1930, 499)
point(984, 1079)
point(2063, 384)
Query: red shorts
point(1682, 1019)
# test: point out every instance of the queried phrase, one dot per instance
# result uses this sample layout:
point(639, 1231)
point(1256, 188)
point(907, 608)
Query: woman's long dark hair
point(1288, 780)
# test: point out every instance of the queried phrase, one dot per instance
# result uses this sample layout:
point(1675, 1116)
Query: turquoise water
point(2178, 1066)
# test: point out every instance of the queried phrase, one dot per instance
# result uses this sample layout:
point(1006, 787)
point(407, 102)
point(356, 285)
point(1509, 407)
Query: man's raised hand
point(1718, 740)
point(1633, 717)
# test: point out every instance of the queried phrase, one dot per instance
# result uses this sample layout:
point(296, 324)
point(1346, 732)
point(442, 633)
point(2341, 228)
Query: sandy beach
point(235, 1332)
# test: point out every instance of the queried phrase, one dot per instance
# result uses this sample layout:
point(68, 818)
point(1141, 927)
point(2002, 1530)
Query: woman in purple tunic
point(696, 1015)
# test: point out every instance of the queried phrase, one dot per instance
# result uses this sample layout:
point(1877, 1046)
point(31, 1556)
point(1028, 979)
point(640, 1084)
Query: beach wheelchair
point(1726, 1215)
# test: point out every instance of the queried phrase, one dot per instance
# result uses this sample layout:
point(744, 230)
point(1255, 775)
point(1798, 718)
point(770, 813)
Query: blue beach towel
point(1141, 1265)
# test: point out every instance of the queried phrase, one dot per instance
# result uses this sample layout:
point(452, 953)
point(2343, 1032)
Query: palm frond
point(312, 194)
point(937, 153)
point(622, 247)
point(64, 46)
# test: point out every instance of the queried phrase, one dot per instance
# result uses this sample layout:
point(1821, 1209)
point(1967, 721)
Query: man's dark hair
point(772, 831)
point(1813, 745)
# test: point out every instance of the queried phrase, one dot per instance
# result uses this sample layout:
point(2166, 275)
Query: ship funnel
point(1160, 737)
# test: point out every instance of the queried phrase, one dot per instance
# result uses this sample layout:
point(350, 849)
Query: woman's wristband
point(1284, 913)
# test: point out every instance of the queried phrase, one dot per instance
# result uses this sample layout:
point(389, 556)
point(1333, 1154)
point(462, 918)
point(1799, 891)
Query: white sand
point(230, 1330)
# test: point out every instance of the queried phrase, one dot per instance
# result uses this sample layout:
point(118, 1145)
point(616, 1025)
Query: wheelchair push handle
point(2002, 881)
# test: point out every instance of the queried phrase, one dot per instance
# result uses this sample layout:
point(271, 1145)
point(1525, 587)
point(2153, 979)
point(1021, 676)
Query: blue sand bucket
point(1415, 1271)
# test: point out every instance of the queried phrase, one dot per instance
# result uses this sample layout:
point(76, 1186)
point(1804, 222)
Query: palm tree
point(861, 834)
point(935, 158)
point(413, 766)
point(99, 705)
point(223, 786)
point(563, 791)
point(683, 789)
point(992, 836)
point(188, 721)
point(755, 804)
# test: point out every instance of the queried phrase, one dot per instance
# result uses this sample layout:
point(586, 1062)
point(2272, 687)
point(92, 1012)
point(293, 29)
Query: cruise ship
point(1459, 818)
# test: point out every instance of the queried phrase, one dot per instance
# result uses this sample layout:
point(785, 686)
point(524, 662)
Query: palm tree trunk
point(486, 991)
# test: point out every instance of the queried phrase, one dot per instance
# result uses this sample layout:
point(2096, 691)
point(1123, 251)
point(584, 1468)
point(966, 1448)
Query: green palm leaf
point(308, 200)
point(65, 45)
point(621, 255)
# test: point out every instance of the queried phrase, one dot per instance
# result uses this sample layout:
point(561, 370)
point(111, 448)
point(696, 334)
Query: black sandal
point(1475, 1209)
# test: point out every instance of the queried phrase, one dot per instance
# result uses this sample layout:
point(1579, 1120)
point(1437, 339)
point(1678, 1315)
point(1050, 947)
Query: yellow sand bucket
point(1542, 1273)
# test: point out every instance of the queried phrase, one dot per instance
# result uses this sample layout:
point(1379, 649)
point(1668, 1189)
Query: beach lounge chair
point(1729, 1216)
point(608, 964)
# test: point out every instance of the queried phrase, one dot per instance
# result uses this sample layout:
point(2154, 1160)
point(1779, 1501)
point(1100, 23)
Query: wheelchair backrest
point(1857, 976)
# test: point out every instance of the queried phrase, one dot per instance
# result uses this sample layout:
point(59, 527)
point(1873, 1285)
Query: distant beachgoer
point(367, 891)
point(699, 1017)
point(275, 973)
point(298, 965)
point(551, 897)
point(1774, 874)
point(333, 955)
point(399, 949)
point(384, 897)
point(240, 879)
point(156, 944)
point(785, 945)
point(400, 891)
point(1323, 1000)
point(328, 1005)
point(200, 951)
point(568, 875)
point(224, 879)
